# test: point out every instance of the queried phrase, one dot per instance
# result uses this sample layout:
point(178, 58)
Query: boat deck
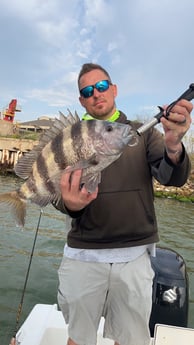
point(45, 326)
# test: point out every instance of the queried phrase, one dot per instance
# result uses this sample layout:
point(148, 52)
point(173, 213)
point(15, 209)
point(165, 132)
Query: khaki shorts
point(120, 292)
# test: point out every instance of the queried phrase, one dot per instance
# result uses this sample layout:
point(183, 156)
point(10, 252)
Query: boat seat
point(171, 335)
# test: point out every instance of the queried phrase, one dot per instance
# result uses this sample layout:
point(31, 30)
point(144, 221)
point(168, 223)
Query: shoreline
point(184, 193)
point(11, 149)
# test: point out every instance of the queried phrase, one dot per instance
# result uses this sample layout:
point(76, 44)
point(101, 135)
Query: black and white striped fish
point(68, 145)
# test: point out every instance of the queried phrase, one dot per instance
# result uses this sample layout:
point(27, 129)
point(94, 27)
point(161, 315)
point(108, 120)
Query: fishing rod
point(19, 311)
point(188, 95)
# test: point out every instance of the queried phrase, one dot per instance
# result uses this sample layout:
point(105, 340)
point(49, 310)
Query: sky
point(147, 46)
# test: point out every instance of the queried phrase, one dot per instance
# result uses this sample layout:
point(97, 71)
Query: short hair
point(88, 67)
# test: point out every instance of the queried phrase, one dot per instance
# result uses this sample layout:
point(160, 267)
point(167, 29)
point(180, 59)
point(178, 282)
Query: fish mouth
point(130, 137)
point(133, 138)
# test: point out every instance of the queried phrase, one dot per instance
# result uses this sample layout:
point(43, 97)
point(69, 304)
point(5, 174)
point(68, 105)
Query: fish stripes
point(43, 171)
point(58, 151)
point(77, 139)
point(70, 144)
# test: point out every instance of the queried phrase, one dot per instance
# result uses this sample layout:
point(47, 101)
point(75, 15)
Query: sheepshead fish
point(68, 145)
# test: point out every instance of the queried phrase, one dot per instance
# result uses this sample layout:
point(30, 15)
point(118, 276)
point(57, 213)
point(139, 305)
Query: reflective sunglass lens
point(87, 91)
point(101, 86)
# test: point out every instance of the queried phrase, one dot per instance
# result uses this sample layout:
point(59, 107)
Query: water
point(176, 224)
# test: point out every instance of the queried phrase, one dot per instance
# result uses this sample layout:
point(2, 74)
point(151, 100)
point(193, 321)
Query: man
point(106, 268)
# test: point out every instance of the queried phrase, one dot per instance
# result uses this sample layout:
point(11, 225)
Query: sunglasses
point(101, 86)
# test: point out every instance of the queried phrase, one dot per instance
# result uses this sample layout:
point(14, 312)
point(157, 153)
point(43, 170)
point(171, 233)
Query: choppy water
point(176, 224)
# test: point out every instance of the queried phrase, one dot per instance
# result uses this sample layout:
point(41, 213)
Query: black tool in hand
point(188, 95)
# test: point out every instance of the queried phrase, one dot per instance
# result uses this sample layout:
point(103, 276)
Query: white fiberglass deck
point(45, 326)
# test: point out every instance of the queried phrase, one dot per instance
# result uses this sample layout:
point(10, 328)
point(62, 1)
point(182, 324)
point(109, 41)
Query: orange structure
point(9, 113)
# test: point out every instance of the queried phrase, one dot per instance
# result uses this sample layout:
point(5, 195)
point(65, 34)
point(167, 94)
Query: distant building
point(41, 124)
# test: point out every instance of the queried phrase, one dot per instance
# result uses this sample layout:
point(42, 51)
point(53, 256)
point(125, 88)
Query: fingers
point(182, 106)
point(75, 197)
point(179, 114)
point(178, 118)
point(89, 196)
point(185, 104)
point(176, 122)
point(72, 180)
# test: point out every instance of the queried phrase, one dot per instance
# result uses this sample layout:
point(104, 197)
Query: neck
point(112, 118)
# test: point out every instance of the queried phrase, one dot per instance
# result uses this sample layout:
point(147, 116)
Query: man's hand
point(75, 198)
point(175, 127)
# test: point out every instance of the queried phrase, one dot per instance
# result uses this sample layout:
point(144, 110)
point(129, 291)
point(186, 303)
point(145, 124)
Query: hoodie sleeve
point(59, 205)
point(162, 168)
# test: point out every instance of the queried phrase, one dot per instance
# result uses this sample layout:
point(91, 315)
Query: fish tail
point(17, 204)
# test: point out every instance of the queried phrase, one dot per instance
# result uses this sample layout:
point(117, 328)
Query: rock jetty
point(184, 193)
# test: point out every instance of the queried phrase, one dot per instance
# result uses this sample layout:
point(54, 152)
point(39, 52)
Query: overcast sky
point(146, 45)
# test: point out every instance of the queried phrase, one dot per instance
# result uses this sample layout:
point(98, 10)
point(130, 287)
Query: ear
point(114, 86)
point(81, 99)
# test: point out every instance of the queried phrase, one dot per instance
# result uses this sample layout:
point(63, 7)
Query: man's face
point(101, 105)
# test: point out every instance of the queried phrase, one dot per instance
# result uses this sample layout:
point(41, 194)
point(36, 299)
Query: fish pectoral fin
point(84, 163)
point(91, 181)
point(18, 206)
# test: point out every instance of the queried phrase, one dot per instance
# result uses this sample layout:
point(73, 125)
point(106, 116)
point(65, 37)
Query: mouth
point(99, 102)
point(130, 136)
point(127, 131)
point(133, 138)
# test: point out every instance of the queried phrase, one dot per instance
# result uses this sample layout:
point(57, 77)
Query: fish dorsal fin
point(24, 166)
point(68, 120)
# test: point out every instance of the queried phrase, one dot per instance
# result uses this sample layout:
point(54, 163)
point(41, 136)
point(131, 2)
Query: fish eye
point(109, 128)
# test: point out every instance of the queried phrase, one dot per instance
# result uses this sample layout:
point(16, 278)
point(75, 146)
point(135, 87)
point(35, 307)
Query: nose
point(96, 93)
